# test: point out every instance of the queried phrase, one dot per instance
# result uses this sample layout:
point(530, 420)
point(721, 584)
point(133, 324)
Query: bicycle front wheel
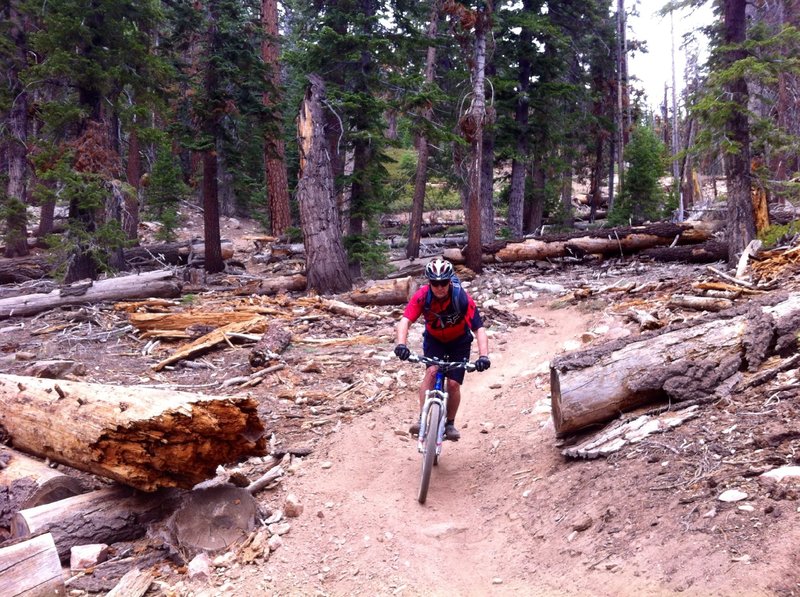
point(429, 450)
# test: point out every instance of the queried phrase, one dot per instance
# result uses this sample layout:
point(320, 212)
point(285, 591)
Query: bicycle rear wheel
point(429, 450)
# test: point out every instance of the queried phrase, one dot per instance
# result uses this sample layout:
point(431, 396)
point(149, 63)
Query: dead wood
point(273, 474)
point(274, 285)
point(608, 242)
point(706, 252)
point(151, 284)
point(144, 437)
point(31, 569)
point(700, 303)
point(677, 363)
point(134, 583)
point(252, 325)
point(385, 292)
point(107, 515)
point(26, 482)
point(270, 346)
point(212, 519)
point(119, 576)
point(146, 322)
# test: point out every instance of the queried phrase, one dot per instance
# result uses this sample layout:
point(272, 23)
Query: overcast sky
point(655, 68)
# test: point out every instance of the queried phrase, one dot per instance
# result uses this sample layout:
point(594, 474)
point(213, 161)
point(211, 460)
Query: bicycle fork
point(439, 397)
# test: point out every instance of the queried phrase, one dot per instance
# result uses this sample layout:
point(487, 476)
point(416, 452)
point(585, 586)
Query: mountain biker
point(451, 319)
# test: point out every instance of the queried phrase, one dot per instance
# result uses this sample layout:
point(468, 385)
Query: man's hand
point(482, 364)
point(402, 352)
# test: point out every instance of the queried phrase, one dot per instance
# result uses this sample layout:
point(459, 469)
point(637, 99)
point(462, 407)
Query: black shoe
point(414, 429)
point(451, 433)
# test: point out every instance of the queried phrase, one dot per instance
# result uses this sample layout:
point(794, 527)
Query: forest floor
point(507, 513)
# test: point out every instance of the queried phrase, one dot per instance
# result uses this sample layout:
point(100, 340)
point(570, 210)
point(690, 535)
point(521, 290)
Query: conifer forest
point(319, 117)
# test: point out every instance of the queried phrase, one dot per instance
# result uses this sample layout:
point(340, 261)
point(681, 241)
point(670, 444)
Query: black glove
point(482, 364)
point(402, 352)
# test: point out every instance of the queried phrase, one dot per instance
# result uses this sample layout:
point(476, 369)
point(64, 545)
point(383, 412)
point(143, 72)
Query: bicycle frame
point(439, 395)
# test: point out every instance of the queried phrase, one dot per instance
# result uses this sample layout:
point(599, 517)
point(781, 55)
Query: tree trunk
point(472, 128)
point(740, 220)
point(385, 292)
point(107, 515)
point(592, 386)
point(538, 182)
point(16, 218)
point(143, 437)
point(326, 261)
point(130, 217)
point(26, 482)
point(274, 149)
point(421, 176)
point(487, 184)
point(31, 569)
point(153, 284)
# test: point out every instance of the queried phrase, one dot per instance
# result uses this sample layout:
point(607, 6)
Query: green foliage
point(642, 197)
point(368, 251)
point(780, 234)
point(13, 213)
point(164, 191)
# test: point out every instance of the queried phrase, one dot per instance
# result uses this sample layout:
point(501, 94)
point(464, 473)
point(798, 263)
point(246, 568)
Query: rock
point(326, 465)
point(82, 557)
point(274, 542)
point(276, 516)
point(292, 507)
point(225, 560)
point(279, 529)
point(732, 495)
point(200, 567)
point(781, 473)
point(582, 523)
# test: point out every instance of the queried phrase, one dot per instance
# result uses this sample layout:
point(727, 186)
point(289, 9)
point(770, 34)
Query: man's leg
point(454, 398)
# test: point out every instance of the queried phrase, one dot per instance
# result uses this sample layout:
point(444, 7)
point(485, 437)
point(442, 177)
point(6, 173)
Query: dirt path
point(506, 514)
point(363, 531)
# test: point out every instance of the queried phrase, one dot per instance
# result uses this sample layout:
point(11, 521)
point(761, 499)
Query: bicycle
point(433, 416)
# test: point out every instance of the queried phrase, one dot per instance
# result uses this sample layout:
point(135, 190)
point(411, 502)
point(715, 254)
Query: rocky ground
point(687, 511)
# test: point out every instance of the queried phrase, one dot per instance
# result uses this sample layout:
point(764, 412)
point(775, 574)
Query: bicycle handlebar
point(445, 365)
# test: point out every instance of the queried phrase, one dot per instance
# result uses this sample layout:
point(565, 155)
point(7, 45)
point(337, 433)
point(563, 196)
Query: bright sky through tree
point(654, 69)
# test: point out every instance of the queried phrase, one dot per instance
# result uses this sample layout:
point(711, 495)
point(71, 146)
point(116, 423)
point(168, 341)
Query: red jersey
point(444, 321)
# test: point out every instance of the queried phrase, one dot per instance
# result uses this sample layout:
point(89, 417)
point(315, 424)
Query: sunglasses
point(440, 283)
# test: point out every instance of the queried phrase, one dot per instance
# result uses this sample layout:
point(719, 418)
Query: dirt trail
point(363, 531)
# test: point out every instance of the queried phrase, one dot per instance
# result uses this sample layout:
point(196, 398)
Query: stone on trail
point(732, 495)
point(781, 473)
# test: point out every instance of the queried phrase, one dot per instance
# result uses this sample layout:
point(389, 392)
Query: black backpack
point(456, 310)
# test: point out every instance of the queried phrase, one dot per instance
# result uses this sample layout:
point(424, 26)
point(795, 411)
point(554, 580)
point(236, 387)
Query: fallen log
point(145, 322)
point(26, 482)
point(31, 569)
point(107, 515)
point(152, 284)
point(681, 362)
point(144, 437)
point(274, 285)
point(608, 242)
point(252, 325)
point(700, 303)
point(707, 252)
point(385, 292)
point(270, 346)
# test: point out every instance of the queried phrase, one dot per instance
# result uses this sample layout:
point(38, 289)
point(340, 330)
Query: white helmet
point(439, 269)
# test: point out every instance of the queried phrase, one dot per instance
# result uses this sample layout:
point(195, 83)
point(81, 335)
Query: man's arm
point(402, 330)
point(483, 342)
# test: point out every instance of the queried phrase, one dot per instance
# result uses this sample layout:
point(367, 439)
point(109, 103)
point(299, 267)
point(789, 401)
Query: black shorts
point(458, 350)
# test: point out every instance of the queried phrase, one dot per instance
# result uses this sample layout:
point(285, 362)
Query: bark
point(538, 181)
point(26, 482)
point(143, 437)
point(740, 220)
point(152, 284)
point(31, 569)
point(274, 341)
point(706, 252)
point(107, 515)
point(423, 149)
point(691, 361)
point(16, 152)
point(327, 269)
point(130, 218)
point(613, 242)
point(385, 292)
point(274, 148)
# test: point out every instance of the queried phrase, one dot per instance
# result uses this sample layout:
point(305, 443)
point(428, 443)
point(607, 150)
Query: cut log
point(700, 303)
point(26, 482)
point(385, 292)
point(31, 569)
point(107, 515)
point(143, 437)
point(683, 362)
point(153, 284)
point(270, 346)
point(274, 285)
point(608, 242)
point(252, 325)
